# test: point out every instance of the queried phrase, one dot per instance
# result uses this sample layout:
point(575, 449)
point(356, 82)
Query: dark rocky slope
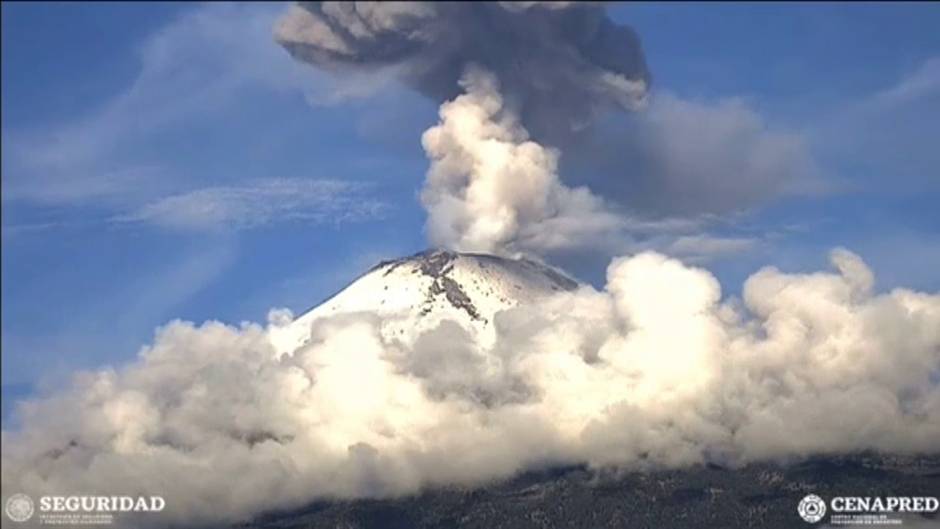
point(757, 496)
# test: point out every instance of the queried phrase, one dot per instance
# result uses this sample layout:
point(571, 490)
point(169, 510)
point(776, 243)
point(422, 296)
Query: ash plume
point(559, 63)
point(554, 70)
point(492, 189)
point(514, 78)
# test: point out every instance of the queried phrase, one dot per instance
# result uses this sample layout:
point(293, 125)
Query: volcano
point(414, 294)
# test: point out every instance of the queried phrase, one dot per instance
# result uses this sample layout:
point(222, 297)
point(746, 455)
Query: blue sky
point(167, 161)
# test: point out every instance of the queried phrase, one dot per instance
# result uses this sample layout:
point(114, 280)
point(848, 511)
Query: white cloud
point(191, 68)
point(130, 307)
point(261, 202)
point(884, 141)
point(702, 246)
point(491, 189)
point(654, 369)
point(921, 83)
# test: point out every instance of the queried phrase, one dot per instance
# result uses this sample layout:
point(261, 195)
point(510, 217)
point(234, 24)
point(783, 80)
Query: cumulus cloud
point(261, 202)
point(653, 370)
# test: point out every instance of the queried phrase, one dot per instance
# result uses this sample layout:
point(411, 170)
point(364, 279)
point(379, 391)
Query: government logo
point(19, 507)
point(812, 508)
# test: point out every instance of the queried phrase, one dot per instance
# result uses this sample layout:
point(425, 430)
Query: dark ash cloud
point(568, 80)
point(558, 63)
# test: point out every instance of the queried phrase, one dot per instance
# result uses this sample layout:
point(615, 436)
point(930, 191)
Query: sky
point(171, 161)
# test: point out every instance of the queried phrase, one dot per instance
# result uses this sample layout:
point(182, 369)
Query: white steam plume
point(491, 189)
point(652, 370)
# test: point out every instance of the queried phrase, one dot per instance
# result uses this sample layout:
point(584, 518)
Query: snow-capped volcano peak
point(414, 294)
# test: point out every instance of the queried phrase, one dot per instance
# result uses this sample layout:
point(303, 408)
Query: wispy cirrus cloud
point(890, 132)
point(924, 82)
point(114, 160)
point(192, 68)
point(261, 202)
point(701, 247)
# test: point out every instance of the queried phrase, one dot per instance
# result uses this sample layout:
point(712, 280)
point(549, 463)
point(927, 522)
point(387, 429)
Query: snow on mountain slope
point(414, 294)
